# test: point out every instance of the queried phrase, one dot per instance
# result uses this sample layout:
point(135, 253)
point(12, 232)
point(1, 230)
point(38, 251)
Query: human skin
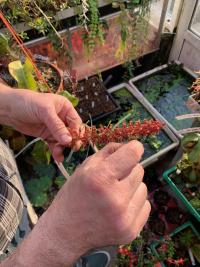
point(40, 115)
point(103, 203)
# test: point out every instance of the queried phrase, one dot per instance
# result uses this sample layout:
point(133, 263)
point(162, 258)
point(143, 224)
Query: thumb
point(57, 128)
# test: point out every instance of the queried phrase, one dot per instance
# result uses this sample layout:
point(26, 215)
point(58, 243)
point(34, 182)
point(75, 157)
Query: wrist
point(5, 104)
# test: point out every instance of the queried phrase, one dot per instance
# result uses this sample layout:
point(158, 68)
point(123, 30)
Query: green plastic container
point(155, 244)
point(179, 194)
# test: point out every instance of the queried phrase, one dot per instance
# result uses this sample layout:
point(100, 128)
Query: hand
point(103, 203)
point(44, 115)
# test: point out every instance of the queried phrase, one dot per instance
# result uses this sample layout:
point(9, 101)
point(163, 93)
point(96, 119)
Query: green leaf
point(23, 74)
point(37, 190)
point(30, 80)
point(74, 100)
point(41, 153)
point(59, 181)
point(45, 170)
point(4, 47)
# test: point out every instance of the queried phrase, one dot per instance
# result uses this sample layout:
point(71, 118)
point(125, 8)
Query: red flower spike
point(129, 131)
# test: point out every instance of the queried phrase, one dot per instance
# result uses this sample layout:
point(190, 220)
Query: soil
point(175, 216)
point(157, 225)
point(94, 101)
point(161, 198)
point(51, 75)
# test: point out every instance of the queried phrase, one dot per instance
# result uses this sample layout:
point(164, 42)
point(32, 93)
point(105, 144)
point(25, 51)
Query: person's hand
point(103, 203)
point(46, 116)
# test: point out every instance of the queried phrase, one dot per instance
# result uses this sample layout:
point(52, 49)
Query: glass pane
point(195, 26)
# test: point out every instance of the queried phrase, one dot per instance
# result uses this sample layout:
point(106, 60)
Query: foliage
point(74, 100)
point(23, 74)
point(189, 165)
point(37, 190)
point(44, 170)
point(41, 16)
point(41, 153)
point(59, 181)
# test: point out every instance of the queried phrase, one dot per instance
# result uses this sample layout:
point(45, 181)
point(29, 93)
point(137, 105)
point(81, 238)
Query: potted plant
point(180, 248)
point(137, 253)
point(165, 88)
point(184, 178)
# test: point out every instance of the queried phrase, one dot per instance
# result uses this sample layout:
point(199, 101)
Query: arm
point(97, 207)
point(40, 115)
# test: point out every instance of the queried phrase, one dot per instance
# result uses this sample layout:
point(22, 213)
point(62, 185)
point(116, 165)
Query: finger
point(142, 217)
point(73, 120)
point(123, 160)
point(108, 150)
point(57, 127)
point(137, 224)
point(131, 183)
point(138, 199)
point(57, 152)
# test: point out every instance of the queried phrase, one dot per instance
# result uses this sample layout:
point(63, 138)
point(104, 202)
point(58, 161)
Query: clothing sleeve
point(11, 198)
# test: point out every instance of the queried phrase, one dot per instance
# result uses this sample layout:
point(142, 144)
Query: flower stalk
point(106, 134)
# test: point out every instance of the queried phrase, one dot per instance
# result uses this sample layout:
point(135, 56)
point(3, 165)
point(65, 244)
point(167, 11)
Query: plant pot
point(186, 226)
point(53, 75)
point(94, 101)
point(165, 88)
point(131, 103)
point(178, 192)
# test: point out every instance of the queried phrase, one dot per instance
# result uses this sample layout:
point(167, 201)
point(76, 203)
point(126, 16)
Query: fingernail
point(66, 139)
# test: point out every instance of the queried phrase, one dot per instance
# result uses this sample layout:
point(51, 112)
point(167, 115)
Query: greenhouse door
point(186, 47)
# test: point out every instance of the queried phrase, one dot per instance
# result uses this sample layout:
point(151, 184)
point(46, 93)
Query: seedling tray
point(166, 89)
point(94, 101)
point(139, 111)
point(154, 245)
point(175, 189)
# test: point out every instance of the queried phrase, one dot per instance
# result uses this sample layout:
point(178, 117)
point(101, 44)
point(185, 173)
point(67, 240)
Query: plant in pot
point(137, 253)
point(184, 178)
point(180, 248)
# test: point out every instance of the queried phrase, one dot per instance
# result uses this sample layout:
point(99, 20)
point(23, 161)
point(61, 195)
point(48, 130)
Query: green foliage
point(189, 165)
point(45, 170)
point(41, 153)
point(195, 202)
point(37, 190)
point(23, 74)
point(74, 100)
point(154, 142)
point(187, 238)
point(60, 181)
point(4, 46)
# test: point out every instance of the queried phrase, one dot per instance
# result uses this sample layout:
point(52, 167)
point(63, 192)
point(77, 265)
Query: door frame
point(183, 31)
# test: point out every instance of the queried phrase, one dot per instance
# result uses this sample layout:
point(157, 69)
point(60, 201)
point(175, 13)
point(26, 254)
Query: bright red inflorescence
point(178, 262)
point(129, 131)
point(126, 252)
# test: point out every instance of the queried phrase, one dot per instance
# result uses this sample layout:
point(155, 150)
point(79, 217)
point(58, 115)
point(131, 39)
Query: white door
point(186, 47)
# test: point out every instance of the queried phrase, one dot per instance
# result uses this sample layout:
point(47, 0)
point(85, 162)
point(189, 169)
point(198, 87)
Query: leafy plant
point(44, 170)
point(189, 165)
point(23, 74)
point(37, 190)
